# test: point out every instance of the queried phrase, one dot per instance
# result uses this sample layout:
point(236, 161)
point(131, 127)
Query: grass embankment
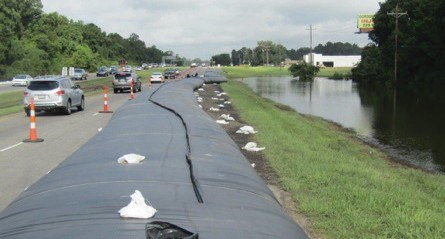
point(346, 188)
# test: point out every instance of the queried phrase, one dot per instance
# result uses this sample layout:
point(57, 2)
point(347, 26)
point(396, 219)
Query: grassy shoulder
point(346, 188)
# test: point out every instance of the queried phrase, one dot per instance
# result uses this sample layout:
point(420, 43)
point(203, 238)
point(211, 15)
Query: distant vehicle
point(170, 73)
point(156, 77)
point(113, 70)
point(51, 93)
point(127, 68)
point(103, 71)
point(177, 72)
point(193, 65)
point(139, 68)
point(79, 74)
point(21, 80)
point(123, 80)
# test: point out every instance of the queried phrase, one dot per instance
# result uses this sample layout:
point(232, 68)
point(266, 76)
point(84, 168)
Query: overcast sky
point(203, 28)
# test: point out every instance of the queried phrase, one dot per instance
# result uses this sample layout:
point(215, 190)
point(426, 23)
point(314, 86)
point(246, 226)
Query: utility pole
point(396, 15)
point(266, 48)
point(311, 57)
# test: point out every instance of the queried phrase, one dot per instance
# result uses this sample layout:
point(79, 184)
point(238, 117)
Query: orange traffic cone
point(131, 91)
point(32, 131)
point(105, 102)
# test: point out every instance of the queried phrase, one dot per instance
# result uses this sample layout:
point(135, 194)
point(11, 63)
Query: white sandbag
point(222, 122)
point(227, 117)
point(253, 147)
point(246, 130)
point(213, 109)
point(227, 102)
point(137, 208)
point(221, 106)
point(130, 159)
point(201, 89)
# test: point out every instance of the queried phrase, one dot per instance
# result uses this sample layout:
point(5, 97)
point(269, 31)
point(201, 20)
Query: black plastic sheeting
point(80, 198)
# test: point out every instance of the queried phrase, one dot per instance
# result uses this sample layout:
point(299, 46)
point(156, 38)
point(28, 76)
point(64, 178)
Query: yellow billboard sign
point(365, 21)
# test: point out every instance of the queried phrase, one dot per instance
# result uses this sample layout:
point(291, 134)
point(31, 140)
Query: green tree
point(304, 71)
point(15, 16)
point(84, 57)
point(222, 59)
point(421, 43)
point(338, 48)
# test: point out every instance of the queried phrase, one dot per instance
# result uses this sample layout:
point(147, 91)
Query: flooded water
point(410, 130)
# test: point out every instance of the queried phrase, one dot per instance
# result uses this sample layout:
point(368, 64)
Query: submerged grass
point(346, 188)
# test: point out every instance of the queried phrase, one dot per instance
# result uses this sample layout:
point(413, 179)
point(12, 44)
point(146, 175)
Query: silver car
point(123, 80)
point(51, 93)
point(21, 80)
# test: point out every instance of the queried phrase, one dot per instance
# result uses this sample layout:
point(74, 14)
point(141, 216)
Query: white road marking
point(10, 147)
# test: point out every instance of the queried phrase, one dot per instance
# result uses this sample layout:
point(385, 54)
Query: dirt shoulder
point(212, 98)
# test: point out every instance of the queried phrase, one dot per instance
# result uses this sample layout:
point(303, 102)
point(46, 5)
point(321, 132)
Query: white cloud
point(202, 28)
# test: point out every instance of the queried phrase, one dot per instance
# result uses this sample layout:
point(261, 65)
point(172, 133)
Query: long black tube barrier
point(80, 198)
point(188, 155)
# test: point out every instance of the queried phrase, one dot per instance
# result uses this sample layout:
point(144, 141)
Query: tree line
point(267, 52)
point(41, 43)
point(420, 47)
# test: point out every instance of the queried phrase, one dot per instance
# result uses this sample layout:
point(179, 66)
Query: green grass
point(330, 71)
point(346, 188)
point(247, 71)
point(11, 102)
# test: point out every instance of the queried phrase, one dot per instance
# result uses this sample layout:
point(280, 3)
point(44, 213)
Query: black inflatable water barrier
point(186, 156)
point(165, 230)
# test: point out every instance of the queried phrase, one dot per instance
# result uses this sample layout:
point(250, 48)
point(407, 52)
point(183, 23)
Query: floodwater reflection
point(408, 129)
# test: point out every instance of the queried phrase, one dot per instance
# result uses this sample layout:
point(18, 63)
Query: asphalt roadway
point(23, 164)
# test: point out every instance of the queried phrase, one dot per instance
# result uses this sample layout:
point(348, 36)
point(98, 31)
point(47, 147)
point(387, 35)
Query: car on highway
point(53, 93)
point(113, 70)
point(79, 74)
point(156, 77)
point(122, 81)
point(103, 71)
point(169, 73)
point(21, 80)
point(127, 68)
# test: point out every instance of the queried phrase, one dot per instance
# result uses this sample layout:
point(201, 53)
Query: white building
point(332, 61)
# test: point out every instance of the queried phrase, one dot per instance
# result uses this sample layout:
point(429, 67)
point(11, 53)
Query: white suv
point(52, 93)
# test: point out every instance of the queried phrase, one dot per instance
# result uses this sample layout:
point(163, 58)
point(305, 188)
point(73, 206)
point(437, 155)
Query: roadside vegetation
point(420, 41)
point(345, 188)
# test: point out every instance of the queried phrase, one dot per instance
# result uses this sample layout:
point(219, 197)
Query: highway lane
point(23, 164)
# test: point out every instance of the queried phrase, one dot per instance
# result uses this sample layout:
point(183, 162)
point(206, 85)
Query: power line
point(396, 15)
